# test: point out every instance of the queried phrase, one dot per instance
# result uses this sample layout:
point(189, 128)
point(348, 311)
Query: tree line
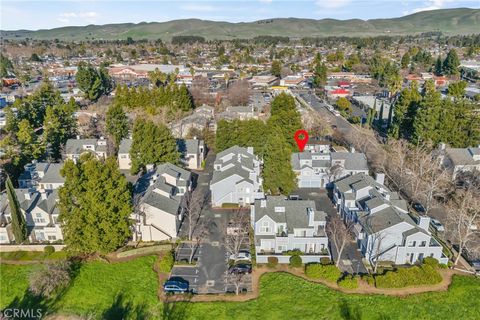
point(273, 141)
point(426, 117)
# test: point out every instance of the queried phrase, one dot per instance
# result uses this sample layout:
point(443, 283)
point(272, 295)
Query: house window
point(282, 248)
point(423, 244)
point(412, 243)
point(279, 209)
point(265, 227)
point(52, 238)
point(123, 156)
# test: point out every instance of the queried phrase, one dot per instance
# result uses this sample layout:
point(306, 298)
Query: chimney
point(43, 194)
point(424, 223)
point(380, 178)
point(352, 150)
point(27, 195)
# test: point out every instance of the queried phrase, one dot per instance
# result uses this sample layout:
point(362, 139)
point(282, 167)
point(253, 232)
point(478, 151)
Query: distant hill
point(448, 21)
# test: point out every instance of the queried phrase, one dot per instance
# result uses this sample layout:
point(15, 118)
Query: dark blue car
point(175, 286)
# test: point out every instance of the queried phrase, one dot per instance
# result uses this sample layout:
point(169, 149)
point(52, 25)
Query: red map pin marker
point(301, 137)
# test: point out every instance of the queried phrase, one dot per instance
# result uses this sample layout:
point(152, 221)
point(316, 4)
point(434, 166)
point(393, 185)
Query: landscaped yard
point(32, 255)
point(97, 287)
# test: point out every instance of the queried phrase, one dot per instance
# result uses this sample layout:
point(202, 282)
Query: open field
point(129, 289)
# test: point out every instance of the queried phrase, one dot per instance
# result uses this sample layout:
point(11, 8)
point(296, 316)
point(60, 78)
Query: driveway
point(351, 259)
point(210, 275)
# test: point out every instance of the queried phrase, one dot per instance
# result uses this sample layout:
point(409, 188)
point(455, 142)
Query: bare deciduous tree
point(339, 234)
point(237, 232)
point(462, 214)
point(46, 281)
point(239, 92)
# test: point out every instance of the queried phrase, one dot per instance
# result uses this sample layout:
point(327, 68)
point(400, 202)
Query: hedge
point(348, 282)
point(272, 262)
point(165, 264)
point(408, 276)
point(296, 261)
point(318, 271)
point(227, 205)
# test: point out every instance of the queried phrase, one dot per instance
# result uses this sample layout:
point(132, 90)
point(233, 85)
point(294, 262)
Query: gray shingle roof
point(125, 146)
point(295, 215)
point(53, 174)
point(463, 156)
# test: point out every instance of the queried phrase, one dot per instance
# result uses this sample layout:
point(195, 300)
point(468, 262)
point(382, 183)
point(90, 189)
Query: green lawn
point(32, 255)
point(109, 291)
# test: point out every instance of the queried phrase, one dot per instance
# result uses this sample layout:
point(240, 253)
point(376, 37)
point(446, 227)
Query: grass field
point(113, 291)
point(32, 255)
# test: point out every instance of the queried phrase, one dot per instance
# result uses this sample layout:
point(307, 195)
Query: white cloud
point(432, 5)
point(86, 16)
point(331, 4)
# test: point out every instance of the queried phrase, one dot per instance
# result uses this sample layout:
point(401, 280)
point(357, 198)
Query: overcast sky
point(19, 14)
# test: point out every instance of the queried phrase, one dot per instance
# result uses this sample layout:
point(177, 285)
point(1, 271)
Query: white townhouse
point(236, 177)
point(281, 225)
point(460, 159)
point(124, 160)
point(161, 204)
point(383, 228)
point(320, 169)
point(74, 148)
point(40, 211)
point(192, 152)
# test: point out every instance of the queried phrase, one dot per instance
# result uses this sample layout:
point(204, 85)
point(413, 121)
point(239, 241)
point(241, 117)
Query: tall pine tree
point(19, 227)
point(116, 123)
point(95, 206)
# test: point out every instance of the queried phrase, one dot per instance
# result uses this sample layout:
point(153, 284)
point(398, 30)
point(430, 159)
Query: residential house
point(236, 177)
point(238, 112)
point(41, 175)
point(383, 228)
point(281, 225)
point(40, 211)
point(460, 159)
point(193, 152)
point(76, 147)
point(161, 204)
point(202, 118)
point(320, 169)
point(124, 160)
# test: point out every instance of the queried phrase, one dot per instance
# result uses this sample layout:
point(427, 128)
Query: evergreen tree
point(95, 206)
point(30, 146)
point(117, 123)
point(457, 89)
point(319, 72)
point(285, 119)
point(405, 60)
point(278, 175)
point(19, 227)
point(404, 111)
point(428, 116)
point(276, 68)
point(152, 144)
point(59, 126)
point(93, 82)
point(438, 66)
point(451, 63)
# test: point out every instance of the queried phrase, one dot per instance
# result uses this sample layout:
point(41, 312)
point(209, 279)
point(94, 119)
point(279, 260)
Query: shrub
point(348, 282)
point(317, 271)
point(408, 276)
point(253, 253)
point(429, 261)
point(295, 261)
point(294, 252)
point(48, 280)
point(49, 250)
point(272, 262)
point(165, 264)
point(325, 260)
point(369, 279)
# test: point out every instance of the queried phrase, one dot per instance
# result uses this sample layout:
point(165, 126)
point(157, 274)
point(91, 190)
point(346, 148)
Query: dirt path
point(363, 288)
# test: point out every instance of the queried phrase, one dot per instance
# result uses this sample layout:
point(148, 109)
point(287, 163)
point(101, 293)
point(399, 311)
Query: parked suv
point(241, 268)
point(242, 255)
point(175, 285)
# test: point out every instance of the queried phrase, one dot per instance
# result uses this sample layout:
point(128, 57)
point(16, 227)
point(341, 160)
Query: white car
point(242, 255)
point(437, 225)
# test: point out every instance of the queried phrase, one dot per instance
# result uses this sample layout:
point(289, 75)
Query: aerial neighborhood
point(146, 174)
